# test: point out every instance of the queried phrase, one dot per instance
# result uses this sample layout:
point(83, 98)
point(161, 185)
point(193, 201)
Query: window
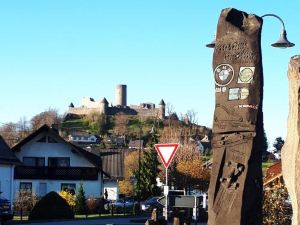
point(34, 161)
point(58, 162)
point(71, 187)
point(47, 139)
point(25, 186)
point(42, 189)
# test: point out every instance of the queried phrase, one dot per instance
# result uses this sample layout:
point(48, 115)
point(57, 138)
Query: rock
point(290, 153)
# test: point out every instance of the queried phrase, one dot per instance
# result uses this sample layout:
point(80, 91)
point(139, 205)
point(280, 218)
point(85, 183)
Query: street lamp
point(283, 42)
point(238, 118)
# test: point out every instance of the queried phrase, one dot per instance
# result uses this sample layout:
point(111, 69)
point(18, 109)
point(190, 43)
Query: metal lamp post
point(282, 42)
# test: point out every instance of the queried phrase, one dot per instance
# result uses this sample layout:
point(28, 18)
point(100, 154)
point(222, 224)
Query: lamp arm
point(273, 15)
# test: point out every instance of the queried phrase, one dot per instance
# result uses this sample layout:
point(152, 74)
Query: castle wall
point(86, 102)
point(83, 110)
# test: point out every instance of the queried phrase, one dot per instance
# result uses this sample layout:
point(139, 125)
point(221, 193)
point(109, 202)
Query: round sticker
point(246, 75)
point(224, 74)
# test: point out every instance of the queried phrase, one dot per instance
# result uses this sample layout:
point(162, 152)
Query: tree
point(149, 170)
point(186, 169)
point(48, 117)
point(9, 133)
point(278, 144)
point(126, 187)
point(80, 207)
point(121, 122)
point(96, 122)
point(25, 201)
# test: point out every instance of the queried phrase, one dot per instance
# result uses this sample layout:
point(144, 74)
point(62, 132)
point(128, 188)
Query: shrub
point(25, 201)
point(70, 199)
point(277, 209)
point(91, 204)
point(80, 207)
point(51, 206)
point(100, 205)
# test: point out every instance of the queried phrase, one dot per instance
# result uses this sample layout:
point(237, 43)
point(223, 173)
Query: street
point(106, 221)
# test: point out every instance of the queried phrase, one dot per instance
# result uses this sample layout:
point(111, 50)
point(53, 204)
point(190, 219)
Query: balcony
point(56, 173)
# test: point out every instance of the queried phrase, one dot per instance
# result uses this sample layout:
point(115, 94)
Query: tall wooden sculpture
point(235, 191)
point(291, 149)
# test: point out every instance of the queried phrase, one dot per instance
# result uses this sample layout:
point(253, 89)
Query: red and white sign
point(166, 152)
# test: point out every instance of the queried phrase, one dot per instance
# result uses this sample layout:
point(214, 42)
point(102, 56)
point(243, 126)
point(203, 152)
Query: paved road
point(115, 221)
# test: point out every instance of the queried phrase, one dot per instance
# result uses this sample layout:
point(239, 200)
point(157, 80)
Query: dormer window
point(47, 139)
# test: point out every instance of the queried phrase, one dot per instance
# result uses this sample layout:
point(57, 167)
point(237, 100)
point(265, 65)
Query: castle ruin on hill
point(144, 110)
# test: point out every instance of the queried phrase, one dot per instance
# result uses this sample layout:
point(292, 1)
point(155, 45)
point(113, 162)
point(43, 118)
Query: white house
point(84, 138)
point(7, 163)
point(49, 163)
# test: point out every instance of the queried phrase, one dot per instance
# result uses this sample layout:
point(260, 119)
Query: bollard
point(176, 221)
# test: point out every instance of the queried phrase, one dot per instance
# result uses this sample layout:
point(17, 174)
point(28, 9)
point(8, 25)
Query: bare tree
point(121, 122)
point(9, 133)
point(48, 117)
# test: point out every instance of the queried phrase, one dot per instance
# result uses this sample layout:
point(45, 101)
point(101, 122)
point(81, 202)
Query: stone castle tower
point(144, 110)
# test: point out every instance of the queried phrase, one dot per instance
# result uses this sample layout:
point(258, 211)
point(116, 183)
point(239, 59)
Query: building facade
point(7, 163)
point(49, 163)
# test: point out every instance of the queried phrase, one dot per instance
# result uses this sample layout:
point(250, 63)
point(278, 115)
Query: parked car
point(152, 203)
point(125, 204)
point(5, 210)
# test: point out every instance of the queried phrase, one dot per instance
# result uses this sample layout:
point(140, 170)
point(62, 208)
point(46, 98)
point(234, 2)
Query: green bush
point(80, 207)
point(51, 206)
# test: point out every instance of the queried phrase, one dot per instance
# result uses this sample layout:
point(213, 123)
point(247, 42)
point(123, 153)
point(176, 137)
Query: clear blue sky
point(53, 52)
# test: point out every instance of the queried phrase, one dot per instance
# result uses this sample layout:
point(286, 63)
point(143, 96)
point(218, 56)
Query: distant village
point(61, 156)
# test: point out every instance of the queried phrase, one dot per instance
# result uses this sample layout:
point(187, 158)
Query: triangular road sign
point(166, 152)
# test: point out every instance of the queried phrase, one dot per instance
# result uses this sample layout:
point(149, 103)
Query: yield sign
point(166, 152)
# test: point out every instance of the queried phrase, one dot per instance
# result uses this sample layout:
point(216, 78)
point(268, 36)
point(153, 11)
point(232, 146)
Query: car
point(151, 203)
point(124, 205)
point(5, 210)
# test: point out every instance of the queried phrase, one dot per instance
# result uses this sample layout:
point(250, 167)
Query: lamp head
point(212, 44)
point(283, 42)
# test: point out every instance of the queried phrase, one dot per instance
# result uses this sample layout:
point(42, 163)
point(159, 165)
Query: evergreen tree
point(278, 144)
point(80, 207)
point(147, 185)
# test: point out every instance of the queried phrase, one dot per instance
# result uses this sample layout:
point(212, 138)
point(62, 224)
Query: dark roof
point(104, 101)
point(136, 144)
point(162, 102)
point(206, 145)
point(6, 155)
point(112, 161)
point(92, 158)
point(71, 105)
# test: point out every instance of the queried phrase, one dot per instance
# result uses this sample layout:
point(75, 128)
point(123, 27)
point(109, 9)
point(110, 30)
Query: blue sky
point(53, 52)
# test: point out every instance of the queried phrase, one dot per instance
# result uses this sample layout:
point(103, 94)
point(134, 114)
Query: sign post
point(166, 153)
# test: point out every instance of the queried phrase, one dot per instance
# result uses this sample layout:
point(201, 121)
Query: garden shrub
point(70, 199)
point(80, 207)
point(51, 206)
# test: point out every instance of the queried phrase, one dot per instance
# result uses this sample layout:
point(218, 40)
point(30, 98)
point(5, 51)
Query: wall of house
point(91, 188)
point(60, 149)
point(6, 181)
point(112, 189)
